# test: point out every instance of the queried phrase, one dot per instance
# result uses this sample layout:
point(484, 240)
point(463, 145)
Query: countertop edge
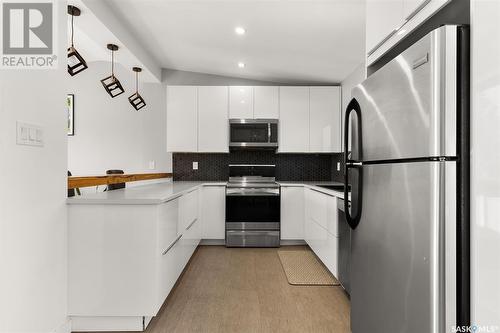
point(157, 201)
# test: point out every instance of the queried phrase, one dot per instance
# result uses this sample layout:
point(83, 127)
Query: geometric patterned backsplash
point(289, 167)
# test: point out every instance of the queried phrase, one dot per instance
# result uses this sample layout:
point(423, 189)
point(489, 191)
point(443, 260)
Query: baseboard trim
point(109, 324)
point(285, 242)
point(64, 328)
point(213, 242)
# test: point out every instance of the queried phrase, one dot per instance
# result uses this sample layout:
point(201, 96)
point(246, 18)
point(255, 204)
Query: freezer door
point(403, 250)
point(408, 107)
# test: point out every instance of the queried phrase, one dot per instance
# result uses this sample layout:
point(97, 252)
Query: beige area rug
point(302, 268)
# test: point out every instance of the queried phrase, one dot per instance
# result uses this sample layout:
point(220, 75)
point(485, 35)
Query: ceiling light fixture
point(241, 65)
point(240, 31)
point(76, 63)
point(135, 99)
point(111, 84)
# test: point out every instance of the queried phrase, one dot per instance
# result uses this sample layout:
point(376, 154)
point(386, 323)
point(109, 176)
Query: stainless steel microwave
point(253, 133)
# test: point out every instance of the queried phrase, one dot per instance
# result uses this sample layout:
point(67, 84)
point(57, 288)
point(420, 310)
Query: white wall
point(485, 166)
point(355, 78)
point(109, 133)
point(32, 199)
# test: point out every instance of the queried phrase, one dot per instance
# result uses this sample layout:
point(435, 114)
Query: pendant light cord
point(72, 28)
point(112, 64)
point(136, 82)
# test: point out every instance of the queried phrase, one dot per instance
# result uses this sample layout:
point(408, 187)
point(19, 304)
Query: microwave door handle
point(269, 132)
point(357, 191)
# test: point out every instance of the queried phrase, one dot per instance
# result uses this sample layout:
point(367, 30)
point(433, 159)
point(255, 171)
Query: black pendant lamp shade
point(76, 63)
point(111, 83)
point(135, 99)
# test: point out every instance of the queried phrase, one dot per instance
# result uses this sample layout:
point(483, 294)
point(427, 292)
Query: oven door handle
point(237, 192)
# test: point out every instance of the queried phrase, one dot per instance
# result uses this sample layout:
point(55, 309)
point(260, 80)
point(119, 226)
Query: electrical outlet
point(152, 165)
point(338, 166)
point(195, 165)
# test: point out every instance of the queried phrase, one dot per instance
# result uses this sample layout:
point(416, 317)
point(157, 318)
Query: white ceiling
point(287, 41)
point(91, 37)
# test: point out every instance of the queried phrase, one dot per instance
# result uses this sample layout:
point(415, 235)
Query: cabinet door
point(292, 212)
point(213, 212)
point(412, 6)
point(241, 102)
point(325, 119)
point(182, 122)
point(294, 120)
point(266, 102)
point(382, 18)
point(213, 125)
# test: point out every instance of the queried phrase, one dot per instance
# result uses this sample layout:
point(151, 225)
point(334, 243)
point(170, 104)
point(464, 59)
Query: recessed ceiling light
point(240, 30)
point(241, 64)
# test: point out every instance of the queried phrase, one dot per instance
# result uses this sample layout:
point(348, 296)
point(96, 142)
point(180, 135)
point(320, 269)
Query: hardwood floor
point(245, 290)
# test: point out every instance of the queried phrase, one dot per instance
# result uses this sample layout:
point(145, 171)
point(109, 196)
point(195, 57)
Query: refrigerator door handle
point(356, 196)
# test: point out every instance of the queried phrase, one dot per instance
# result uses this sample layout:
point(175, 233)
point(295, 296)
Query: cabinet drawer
point(332, 216)
point(168, 223)
point(317, 207)
point(172, 264)
point(188, 208)
point(324, 245)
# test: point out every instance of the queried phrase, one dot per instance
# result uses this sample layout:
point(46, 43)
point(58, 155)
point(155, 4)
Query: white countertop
point(314, 186)
point(153, 194)
point(150, 194)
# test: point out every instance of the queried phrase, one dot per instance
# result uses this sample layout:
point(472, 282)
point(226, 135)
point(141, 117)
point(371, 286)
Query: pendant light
point(111, 84)
point(76, 63)
point(135, 99)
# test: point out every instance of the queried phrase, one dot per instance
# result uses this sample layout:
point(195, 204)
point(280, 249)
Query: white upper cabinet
point(241, 102)
point(382, 18)
point(411, 6)
point(213, 119)
point(266, 103)
point(389, 21)
point(325, 119)
point(309, 117)
point(294, 120)
point(182, 115)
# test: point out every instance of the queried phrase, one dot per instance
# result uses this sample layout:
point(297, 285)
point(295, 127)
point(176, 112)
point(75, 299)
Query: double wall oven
point(252, 206)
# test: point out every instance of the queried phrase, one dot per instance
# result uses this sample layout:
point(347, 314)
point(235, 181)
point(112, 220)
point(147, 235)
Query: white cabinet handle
point(190, 225)
point(171, 245)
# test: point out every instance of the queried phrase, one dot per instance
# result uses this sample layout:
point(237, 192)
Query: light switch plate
point(338, 166)
point(29, 134)
point(195, 165)
point(152, 165)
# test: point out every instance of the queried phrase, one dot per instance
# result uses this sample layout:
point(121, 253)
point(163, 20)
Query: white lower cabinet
point(123, 260)
point(213, 212)
point(292, 212)
point(171, 267)
point(320, 229)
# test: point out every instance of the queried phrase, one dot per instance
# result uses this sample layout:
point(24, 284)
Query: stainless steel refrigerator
point(408, 170)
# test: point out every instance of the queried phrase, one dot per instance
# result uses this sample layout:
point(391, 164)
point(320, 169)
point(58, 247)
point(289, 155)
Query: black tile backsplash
point(289, 167)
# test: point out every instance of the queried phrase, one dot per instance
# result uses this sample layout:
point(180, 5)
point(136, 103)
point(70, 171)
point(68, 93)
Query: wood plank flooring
point(245, 290)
